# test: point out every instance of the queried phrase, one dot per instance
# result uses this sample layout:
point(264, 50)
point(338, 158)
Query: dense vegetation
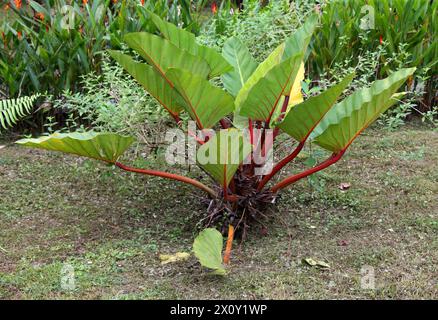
point(56, 51)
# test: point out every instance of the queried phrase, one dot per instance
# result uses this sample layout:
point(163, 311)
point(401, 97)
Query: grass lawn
point(110, 227)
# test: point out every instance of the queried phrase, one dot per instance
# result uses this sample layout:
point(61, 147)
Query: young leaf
point(294, 45)
point(205, 103)
point(302, 118)
point(223, 153)
point(348, 118)
point(263, 68)
point(238, 55)
point(162, 54)
point(265, 95)
point(103, 146)
point(295, 95)
point(208, 249)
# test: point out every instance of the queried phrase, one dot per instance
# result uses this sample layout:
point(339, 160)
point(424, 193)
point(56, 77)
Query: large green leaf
point(187, 41)
point(223, 153)
point(238, 55)
point(299, 41)
point(265, 95)
point(181, 38)
point(152, 81)
point(348, 118)
point(294, 45)
point(273, 59)
point(101, 146)
point(262, 69)
point(302, 118)
point(205, 103)
point(217, 63)
point(162, 54)
point(208, 249)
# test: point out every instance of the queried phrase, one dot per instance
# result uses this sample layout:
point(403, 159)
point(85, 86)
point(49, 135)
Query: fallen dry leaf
point(316, 263)
point(169, 258)
point(344, 186)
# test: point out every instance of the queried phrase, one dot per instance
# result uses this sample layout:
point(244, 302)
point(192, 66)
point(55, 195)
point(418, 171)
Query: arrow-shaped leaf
point(205, 103)
point(237, 55)
point(302, 118)
point(265, 95)
point(223, 153)
point(263, 68)
point(348, 118)
point(162, 54)
point(103, 146)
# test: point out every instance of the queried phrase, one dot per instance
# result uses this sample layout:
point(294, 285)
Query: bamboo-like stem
point(289, 180)
point(167, 175)
point(280, 165)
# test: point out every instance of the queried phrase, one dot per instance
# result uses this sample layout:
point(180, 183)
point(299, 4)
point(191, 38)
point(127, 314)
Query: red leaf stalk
point(289, 180)
point(280, 165)
point(167, 175)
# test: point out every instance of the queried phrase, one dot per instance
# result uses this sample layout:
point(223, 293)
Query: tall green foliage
point(47, 45)
point(350, 28)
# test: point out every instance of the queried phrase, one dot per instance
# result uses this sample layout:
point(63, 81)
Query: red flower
point(18, 4)
point(39, 16)
point(214, 8)
point(19, 36)
point(381, 40)
point(142, 2)
point(84, 2)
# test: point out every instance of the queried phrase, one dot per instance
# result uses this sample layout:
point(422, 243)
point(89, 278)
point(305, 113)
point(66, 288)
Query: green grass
point(110, 226)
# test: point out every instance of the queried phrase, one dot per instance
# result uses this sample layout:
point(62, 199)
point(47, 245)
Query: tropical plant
point(47, 45)
point(259, 101)
point(351, 28)
point(11, 110)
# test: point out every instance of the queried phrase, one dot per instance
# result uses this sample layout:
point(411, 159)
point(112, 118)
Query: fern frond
point(11, 110)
